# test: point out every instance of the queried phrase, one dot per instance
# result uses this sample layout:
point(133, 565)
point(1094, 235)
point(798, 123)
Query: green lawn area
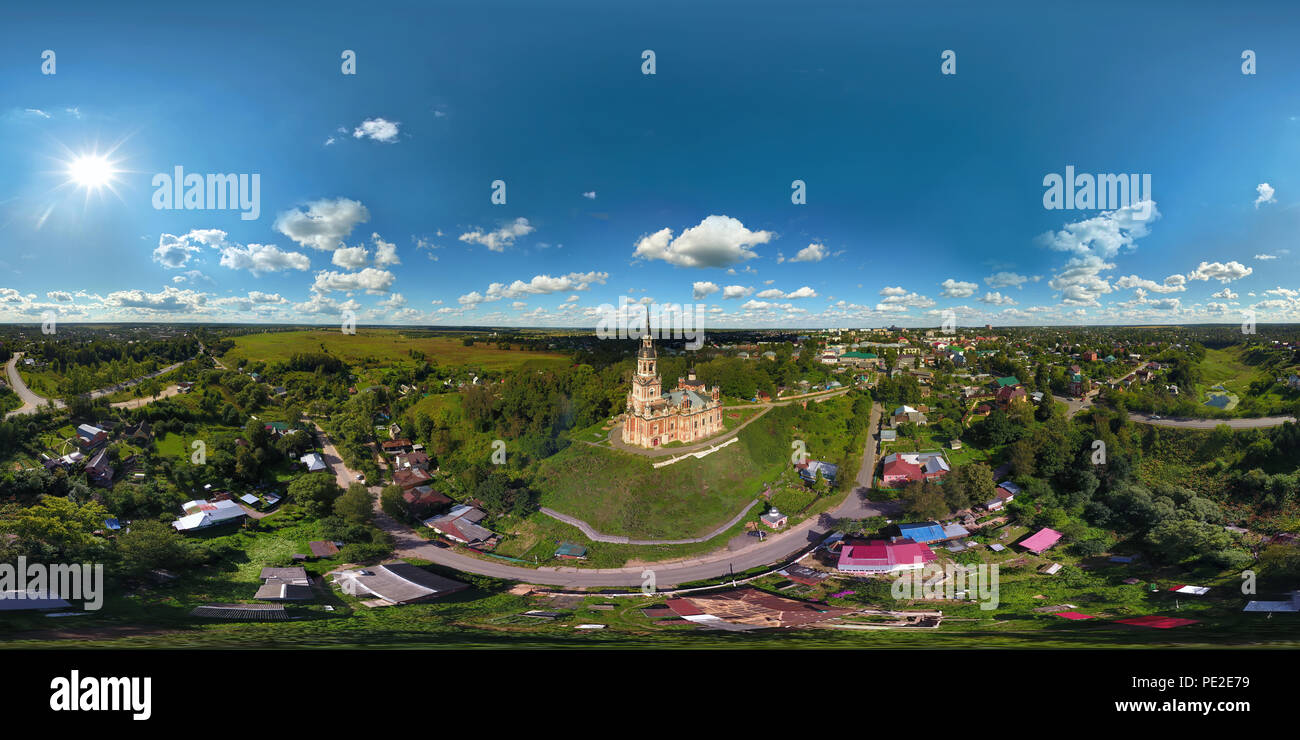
point(383, 347)
point(619, 493)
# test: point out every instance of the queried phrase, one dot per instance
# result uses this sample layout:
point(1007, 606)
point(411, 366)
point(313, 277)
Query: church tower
point(646, 384)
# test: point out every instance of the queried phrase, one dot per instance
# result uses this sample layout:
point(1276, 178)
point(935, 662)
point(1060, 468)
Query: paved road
point(738, 556)
point(31, 401)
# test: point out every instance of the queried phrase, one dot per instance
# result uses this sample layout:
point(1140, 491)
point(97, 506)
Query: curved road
point(745, 555)
point(32, 402)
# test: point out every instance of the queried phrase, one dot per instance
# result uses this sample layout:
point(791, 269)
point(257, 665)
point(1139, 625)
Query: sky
point(924, 193)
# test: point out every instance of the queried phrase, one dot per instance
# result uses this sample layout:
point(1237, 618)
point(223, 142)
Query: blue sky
point(924, 190)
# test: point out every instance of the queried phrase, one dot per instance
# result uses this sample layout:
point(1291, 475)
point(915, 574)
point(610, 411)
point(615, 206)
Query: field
point(375, 347)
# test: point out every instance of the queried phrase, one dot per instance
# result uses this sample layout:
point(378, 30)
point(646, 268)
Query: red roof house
point(883, 556)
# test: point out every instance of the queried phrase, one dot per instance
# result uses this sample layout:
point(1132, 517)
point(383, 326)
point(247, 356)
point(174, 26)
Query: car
point(1155, 417)
point(361, 478)
point(757, 533)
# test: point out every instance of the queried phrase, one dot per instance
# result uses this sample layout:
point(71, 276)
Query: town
point(943, 484)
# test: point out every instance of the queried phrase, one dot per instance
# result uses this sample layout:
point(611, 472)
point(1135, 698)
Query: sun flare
point(91, 171)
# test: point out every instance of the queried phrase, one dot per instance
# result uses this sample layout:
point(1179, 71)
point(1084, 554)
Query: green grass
point(383, 347)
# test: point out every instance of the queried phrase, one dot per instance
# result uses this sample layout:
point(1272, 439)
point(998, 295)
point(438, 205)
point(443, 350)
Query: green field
point(380, 347)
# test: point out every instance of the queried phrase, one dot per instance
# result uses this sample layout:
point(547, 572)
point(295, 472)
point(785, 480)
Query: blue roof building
point(923, 532)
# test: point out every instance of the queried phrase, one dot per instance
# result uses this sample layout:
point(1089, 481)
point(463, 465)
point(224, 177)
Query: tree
point(356, 506)
point(391, 501)
point(315, 493)
point(151, 544)
point(925, 501)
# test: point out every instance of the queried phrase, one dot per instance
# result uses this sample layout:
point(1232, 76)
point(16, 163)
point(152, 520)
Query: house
point(284, 584)
point(461, 525)
point(1089, 356)
point(1289, 605)
point(89, 437)
point(1078, 384)
point(571, 551)
point(397, 583)
point(1041, 540)
point(276, 429)
point(923, 532)
point(904, 467)
point(744, 609)
point(411, 477)
point(1011, 395)
point(1009, 381)
point(774, 519)
point(394, 446)
point(808, 471)
point(884, 556)
point(423, 500)
point(138, 433)
point(888, 435)
point(204, 514)
point(99, 470)
point(323, 549)
point(1006, 491)
point(314, 462)
point(413, 459)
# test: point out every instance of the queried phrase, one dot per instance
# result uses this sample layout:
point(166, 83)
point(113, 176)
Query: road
point(1260, 422)
point(740, 555)
point(33, 402)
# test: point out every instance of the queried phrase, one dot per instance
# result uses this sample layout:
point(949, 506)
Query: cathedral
point(688, 413)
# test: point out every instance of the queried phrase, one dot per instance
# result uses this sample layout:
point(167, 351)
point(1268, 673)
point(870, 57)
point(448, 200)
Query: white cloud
point(350, 258)
point(1005, 280)
point(498, 240)
point(957, 289)
point(377, 129)
point(589, 195)
point(703, 289)
point(736, 291)
point(1105, 234)
point(1080, 283)
point(1226, 294)
point(718, 241)
point(385, 252)
point(1224, 273)
point(995, 298)
point(1172, 284)
point(1265, 257)
point(1265, 194)
point(371, 280)
point(810, 253)
point(324, 224)
point(262, 258)
point(539, 285)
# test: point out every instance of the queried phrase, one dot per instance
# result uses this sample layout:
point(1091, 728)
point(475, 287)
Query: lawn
point(382, 347)
point(619, 493)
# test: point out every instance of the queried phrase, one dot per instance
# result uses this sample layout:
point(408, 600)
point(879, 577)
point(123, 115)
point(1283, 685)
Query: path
point(1260, 422)
point(738, 556)
point(595, 536)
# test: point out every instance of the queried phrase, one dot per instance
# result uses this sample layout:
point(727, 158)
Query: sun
point(91, 171)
